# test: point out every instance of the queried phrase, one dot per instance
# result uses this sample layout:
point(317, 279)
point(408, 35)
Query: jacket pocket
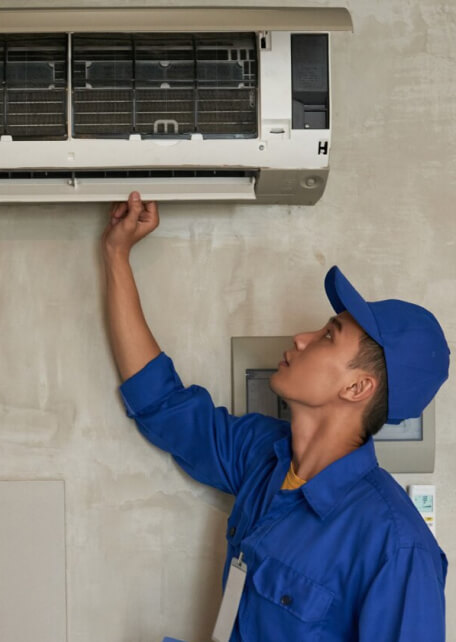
point(282, 604)
point(292, 591)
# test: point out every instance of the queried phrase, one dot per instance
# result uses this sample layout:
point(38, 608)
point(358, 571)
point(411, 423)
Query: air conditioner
point(226, 104)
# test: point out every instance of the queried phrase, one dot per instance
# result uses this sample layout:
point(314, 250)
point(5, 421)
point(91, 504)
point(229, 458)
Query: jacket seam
point(391, 510)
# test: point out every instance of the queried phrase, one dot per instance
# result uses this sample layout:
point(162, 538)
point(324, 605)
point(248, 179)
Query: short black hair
point(371, 358)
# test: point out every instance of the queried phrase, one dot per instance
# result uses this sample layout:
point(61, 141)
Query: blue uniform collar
point(324, 491)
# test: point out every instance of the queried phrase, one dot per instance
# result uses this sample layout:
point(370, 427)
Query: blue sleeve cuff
point(155, 381)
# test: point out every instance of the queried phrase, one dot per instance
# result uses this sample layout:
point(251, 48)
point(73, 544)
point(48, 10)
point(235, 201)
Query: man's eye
point(328, 332)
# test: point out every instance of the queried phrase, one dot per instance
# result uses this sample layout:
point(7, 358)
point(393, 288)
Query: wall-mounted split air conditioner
point(228, 104)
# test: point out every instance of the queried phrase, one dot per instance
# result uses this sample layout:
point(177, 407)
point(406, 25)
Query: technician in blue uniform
point(334, 547)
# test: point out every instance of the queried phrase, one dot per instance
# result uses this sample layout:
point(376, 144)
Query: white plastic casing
point(423, 496)
point(289, 163)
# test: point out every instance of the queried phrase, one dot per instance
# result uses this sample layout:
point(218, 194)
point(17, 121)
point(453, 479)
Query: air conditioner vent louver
point(165, 85)
point(33, 72)
point(131, 173)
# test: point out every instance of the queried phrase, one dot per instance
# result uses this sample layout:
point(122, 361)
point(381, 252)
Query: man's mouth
point(284, 361)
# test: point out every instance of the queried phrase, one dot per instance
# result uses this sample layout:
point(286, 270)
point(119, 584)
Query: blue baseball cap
point(416, 352)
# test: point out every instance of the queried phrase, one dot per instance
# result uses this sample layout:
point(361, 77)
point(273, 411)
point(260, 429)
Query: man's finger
point(120, 210)
point(135, 206)
point(150, 206)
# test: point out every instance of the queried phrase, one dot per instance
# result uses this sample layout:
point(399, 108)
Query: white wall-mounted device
point(181, 103)
point(423, 496)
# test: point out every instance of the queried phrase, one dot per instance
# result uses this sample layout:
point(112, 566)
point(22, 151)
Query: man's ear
point(361, 387)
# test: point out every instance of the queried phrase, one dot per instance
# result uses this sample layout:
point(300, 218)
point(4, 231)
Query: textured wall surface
point(145, 544)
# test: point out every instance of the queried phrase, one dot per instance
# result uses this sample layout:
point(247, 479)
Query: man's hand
point(130, 221)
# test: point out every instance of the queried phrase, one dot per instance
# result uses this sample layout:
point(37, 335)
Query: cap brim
point(343, 296)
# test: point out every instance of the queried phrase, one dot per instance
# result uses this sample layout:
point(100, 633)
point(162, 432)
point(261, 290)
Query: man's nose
point(302, 339)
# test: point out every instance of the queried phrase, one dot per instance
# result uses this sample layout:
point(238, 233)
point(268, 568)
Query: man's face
point(316, 369)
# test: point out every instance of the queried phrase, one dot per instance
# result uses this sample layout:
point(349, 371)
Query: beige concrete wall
point(145, 544)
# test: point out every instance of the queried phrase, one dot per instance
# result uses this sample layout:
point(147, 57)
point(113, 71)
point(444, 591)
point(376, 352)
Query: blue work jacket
point(345, 558)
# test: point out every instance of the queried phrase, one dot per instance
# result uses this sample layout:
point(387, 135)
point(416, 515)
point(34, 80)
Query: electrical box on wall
point(180, 103)
point(408, 447)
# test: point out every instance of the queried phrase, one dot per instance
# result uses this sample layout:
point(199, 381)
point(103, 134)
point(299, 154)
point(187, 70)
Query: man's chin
point(272, 383)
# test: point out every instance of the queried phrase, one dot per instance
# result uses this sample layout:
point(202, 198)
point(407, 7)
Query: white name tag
point(230, 602)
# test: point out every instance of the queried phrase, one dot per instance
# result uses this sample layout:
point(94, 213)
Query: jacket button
point(286, 600)
point(232, 531)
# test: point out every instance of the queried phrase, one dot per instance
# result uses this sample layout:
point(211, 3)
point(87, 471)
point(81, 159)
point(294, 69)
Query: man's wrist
point(116, 254)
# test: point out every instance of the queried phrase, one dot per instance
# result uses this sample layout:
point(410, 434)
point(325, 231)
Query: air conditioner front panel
point(176, 19)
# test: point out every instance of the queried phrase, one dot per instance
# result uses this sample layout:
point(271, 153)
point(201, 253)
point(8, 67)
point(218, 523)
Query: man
point(335, 549)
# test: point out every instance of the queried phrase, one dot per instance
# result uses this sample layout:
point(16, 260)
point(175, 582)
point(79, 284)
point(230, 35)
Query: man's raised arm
point(132, 342)
point(211, 445)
